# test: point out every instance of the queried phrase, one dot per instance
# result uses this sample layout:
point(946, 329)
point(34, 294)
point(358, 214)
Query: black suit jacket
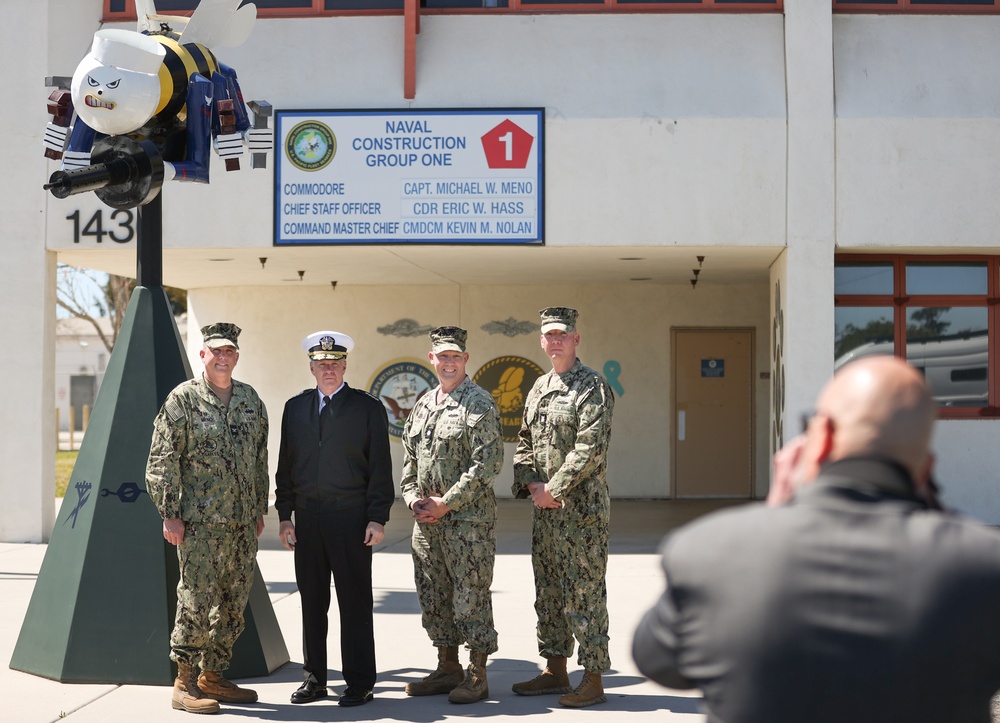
point(351, 466)
point(853, 604)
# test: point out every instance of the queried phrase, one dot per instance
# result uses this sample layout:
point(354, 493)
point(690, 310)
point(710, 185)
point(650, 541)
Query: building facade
point(734, 196)
point(80, 361)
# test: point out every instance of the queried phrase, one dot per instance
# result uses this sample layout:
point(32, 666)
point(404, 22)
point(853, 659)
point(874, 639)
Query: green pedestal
point(103, 606)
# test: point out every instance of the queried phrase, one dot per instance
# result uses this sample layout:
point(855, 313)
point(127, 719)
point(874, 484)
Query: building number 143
point(121, 229)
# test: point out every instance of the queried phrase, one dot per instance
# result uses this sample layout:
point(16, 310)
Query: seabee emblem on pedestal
point(148, 106)
point(141, 108)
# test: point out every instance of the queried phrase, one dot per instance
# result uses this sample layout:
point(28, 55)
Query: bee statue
point(148, 106)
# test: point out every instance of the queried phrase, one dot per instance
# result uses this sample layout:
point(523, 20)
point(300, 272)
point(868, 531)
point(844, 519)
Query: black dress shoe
point(355, 696)
point(308, 692)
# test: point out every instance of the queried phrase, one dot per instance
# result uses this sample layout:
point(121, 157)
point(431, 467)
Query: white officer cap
point(327, 345)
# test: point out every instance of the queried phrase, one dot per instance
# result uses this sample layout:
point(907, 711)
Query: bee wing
point(149, 20)
point(502, 385)
point(515, 379)
point(144, 10)
point(218, 23)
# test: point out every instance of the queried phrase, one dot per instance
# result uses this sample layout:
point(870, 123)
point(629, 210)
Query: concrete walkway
point(404, 653)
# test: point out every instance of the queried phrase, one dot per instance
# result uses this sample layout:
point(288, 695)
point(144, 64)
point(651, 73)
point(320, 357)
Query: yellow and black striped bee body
point(182, 60)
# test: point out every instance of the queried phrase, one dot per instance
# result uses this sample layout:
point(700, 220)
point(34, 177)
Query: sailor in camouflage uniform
point(561, 463)
point(207, 475)
point(453, 450)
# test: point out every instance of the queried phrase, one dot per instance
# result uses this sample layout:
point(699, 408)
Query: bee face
point(113, 100)
point(101, 84)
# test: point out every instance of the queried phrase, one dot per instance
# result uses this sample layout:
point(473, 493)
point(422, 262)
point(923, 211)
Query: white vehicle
point(956, 366)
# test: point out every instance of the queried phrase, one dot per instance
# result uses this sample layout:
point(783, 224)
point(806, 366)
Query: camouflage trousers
point(453, 570)
point(570, 560)
point(216, 566)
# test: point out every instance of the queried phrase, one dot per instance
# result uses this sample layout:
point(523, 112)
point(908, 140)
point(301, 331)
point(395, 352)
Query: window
point(118, 10)
point(939, 313)
point(925, 7)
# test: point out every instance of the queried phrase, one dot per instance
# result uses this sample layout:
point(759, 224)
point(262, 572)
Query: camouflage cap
point(558, 317)
point(448, 338)
point(327, 345)
point(221, 334)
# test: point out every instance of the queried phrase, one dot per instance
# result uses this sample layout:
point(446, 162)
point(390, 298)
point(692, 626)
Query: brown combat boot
point(187, 696)
point(552, 680)
point(474, 687)
point(444, 679)
point(589, 692)
point(218, 688)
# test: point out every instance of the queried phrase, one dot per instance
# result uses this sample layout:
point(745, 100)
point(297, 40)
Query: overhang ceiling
point(423, 265)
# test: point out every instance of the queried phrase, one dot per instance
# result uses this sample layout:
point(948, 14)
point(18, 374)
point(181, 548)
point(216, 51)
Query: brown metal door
point(713, 413)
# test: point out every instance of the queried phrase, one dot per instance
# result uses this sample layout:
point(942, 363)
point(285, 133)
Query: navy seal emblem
point(398, 385)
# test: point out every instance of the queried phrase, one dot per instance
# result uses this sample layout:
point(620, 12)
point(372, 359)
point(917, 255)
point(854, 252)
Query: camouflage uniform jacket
point(454, 451)
point(564, 441)
point(207, 462)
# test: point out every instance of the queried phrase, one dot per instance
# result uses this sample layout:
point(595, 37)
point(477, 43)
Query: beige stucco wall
point(918, 131)
point(630, 325)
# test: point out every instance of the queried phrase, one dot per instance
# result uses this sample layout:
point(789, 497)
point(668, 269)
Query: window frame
point(899, 301)
point(909, 7)
point(888, 7)
point(318, 9)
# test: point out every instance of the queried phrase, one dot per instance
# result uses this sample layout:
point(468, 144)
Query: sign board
point(713, 368)
point(427, 176)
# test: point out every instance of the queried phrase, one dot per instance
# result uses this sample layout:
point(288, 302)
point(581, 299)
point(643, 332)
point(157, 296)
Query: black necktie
point(325, 412)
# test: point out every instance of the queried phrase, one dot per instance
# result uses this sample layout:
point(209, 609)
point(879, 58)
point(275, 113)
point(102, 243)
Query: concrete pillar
point(27, 291)
point(803, 277)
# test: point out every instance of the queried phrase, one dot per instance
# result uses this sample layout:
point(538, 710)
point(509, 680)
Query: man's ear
point(825, 443)
point(928, 468)
point(922, 480)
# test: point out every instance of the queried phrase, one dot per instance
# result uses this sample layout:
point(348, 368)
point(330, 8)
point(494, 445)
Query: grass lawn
point(64, 468)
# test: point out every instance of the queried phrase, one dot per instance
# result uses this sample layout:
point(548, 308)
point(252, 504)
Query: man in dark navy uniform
point(335, 477)
point(850, 596)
